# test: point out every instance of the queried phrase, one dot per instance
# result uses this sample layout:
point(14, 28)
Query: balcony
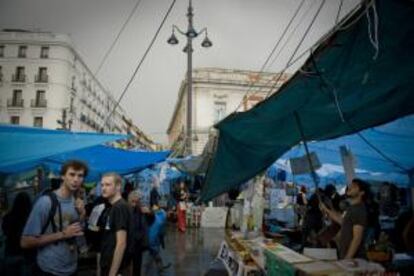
point(19, 78)
point(15, 103)
point(38, 103)
point(42, 78)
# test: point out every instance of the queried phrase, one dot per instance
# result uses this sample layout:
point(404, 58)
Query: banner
point(300, 165)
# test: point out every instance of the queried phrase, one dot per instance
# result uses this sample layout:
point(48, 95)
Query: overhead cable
point(297, 47)
point(117, 37)
point(142, 60)
point(274, 49)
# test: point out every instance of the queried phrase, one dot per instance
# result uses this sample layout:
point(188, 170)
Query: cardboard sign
point(301, 165)
point(230, 260)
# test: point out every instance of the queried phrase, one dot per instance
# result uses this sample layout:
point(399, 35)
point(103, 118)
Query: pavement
point(191, 253)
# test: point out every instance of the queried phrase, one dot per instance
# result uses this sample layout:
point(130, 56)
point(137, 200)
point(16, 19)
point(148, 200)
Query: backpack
point(30, 257)
point(55, 206)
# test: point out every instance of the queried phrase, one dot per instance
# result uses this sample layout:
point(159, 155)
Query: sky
point(243, 33)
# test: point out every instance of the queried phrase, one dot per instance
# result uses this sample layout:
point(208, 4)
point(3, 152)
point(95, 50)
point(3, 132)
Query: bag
point(55, 206)
point(52, 212)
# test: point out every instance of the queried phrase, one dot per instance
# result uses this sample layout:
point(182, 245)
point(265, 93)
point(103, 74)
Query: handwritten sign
point(231, 261)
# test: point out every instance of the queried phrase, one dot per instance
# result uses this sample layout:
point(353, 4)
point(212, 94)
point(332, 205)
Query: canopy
point(102, 159)
point(23, 147)
point(360, 76)
point(387, 149)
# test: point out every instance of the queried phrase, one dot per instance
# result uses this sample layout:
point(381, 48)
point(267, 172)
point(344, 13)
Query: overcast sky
point(243, 33)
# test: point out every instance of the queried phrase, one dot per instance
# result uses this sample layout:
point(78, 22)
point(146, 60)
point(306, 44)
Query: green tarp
point(371, 87)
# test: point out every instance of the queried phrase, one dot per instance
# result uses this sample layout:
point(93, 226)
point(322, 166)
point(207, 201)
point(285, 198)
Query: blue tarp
point(22, 148)
point(395, 140)
point(102, 159)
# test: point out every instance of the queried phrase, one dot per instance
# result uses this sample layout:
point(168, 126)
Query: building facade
point(216, 94)
point(45, 83)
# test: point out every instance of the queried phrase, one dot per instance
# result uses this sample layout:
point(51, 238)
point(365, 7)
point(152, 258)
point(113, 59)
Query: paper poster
point(277, 198)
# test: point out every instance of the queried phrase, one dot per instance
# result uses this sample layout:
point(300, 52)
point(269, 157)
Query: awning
point(349, 83)
point(23, 147)
point(102, 159)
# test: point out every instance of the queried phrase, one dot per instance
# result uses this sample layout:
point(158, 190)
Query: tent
point(382, 153)
point(102, 159)
point(23, 147)
point(361, 75)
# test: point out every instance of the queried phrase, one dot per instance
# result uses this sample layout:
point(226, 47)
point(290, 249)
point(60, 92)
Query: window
point(219, 111)
point(14, 120)
point(38, 121)
point(17, 98)
point(42, 75)
point(20, 76)
point(1, 50)
point(40, 98)
point(44, 52)
point(22, 51)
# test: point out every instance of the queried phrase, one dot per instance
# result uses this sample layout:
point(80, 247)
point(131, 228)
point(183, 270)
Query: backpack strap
point(50, 219)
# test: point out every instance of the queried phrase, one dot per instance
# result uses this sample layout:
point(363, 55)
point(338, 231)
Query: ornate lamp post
point(191, 34)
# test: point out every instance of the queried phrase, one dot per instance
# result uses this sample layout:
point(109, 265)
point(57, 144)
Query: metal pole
point(189, 79)
point(302, 134)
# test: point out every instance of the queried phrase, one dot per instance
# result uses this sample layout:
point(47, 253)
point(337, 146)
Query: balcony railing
point(42, 78)
point(38, 103)
point(19, 78)
point(15, 103)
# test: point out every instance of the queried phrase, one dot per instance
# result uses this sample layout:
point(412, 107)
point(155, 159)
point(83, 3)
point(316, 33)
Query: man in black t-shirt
point(117, 238)
point(353, 222)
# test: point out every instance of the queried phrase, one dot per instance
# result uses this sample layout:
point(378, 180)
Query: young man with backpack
point(117, 242)
point(54, 224)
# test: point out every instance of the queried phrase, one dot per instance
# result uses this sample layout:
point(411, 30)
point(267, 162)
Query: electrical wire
point(339, 11)
point(141, 61)
point(273, 50)
point(291, 35)
point(280, 51)
point(297, 47)
point(117, 37)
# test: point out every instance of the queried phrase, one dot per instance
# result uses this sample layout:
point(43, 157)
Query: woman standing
point(182, 196)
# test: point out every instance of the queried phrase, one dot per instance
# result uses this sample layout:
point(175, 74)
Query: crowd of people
point(127, 235)
point(49, 237)
point(348, 222)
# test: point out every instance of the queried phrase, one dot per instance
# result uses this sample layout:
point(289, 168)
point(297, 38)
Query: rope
point(297, 47)
point(339, 11)
point(373, 37)
point(382, 154)
point(291, 34)
point(273, 50)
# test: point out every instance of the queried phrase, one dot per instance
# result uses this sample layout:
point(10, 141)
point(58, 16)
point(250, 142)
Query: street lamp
point(191, 33)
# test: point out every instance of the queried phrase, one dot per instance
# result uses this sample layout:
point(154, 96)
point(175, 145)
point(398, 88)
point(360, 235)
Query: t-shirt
point(355, 215)
point(59, 258)
point(119, 218)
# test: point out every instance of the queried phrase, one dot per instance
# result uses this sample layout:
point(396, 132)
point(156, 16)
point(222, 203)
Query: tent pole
point(411, 185)
point(302, 134)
